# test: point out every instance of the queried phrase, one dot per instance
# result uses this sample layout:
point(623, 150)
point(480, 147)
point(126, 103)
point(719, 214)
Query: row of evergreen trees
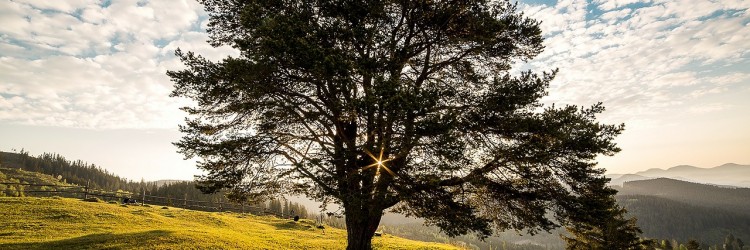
point(73, 172)
point(730, 243)
point(84, 174)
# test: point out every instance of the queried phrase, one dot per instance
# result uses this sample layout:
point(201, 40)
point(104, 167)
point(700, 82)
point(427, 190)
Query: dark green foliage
point(604, 225)
point(693, 245)
point(732, 243)
point(726, 198)
point(381, 104)
point(664, 218)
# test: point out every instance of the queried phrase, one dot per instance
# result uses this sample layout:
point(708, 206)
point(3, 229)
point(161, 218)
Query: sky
point(86, 78)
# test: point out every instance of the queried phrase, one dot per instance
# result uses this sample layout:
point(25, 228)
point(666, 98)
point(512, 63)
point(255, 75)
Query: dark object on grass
point(164, 208)
point(321, 227)
point(378, 233)
point(296, 218)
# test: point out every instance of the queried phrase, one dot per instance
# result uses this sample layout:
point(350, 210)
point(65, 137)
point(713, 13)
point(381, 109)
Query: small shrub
point(93, 199)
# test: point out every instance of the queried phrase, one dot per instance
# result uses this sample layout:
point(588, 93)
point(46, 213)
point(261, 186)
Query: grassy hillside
point(14, 175)
point(62, 223)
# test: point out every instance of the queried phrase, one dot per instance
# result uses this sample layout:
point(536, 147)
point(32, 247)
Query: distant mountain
point(731, 199)
point(729, 174)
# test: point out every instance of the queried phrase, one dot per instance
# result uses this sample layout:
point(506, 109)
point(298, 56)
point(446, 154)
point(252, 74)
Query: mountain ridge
point(727, 174)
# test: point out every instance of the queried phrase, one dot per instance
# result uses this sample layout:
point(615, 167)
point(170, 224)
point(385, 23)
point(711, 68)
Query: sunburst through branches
point(379, 163)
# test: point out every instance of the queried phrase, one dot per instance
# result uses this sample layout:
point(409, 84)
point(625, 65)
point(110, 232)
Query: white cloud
point(646, 62)
point(61, 6)
point(79, 64)
point(613, 4)
point(616, 14)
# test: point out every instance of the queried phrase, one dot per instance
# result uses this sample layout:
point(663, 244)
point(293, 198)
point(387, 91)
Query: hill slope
point(13, 175)
point(663, 218)
point(61, 223)
point(674, 209)
point(730, 199)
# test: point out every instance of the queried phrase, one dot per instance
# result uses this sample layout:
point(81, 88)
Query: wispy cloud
point(644, 59)
point(93, 65)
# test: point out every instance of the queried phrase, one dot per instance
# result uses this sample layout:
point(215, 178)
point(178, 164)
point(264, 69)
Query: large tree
point(381, 104)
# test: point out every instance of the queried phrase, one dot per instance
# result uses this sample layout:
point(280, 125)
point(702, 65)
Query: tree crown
point(376, 104)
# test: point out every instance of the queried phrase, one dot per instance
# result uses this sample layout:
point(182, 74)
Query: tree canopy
point(411, 106)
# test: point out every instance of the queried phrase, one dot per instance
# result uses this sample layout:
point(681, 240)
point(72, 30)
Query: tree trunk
point(360, 228)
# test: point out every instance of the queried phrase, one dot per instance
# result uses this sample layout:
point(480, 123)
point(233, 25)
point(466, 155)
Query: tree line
point(730, 242)
point(664, 218)
point(74, 172)
point(59, 170)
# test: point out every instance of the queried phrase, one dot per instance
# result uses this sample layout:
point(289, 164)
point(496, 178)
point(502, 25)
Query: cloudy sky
point(86, 79)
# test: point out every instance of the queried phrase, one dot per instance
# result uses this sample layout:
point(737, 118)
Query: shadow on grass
point(139, 240)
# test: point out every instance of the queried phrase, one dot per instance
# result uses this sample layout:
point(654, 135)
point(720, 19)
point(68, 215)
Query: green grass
point(62, 223)
point(15, 175)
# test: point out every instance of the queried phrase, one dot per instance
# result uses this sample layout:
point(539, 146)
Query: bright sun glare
point(379, 163)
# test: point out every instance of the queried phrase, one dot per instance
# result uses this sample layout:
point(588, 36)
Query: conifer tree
point(383, 104)
point(604, 224)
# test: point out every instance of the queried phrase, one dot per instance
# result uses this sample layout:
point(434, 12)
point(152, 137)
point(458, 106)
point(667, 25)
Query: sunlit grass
point(62, 223)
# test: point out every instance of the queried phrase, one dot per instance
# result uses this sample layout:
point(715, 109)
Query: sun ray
point(379, 163)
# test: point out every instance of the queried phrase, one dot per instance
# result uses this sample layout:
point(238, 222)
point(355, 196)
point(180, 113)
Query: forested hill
point(674, 209)
point(730, 199)
point(74, 172)
point(662, 218)
point(81, 173)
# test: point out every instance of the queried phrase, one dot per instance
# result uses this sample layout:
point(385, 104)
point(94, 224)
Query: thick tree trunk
point(360, 228)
